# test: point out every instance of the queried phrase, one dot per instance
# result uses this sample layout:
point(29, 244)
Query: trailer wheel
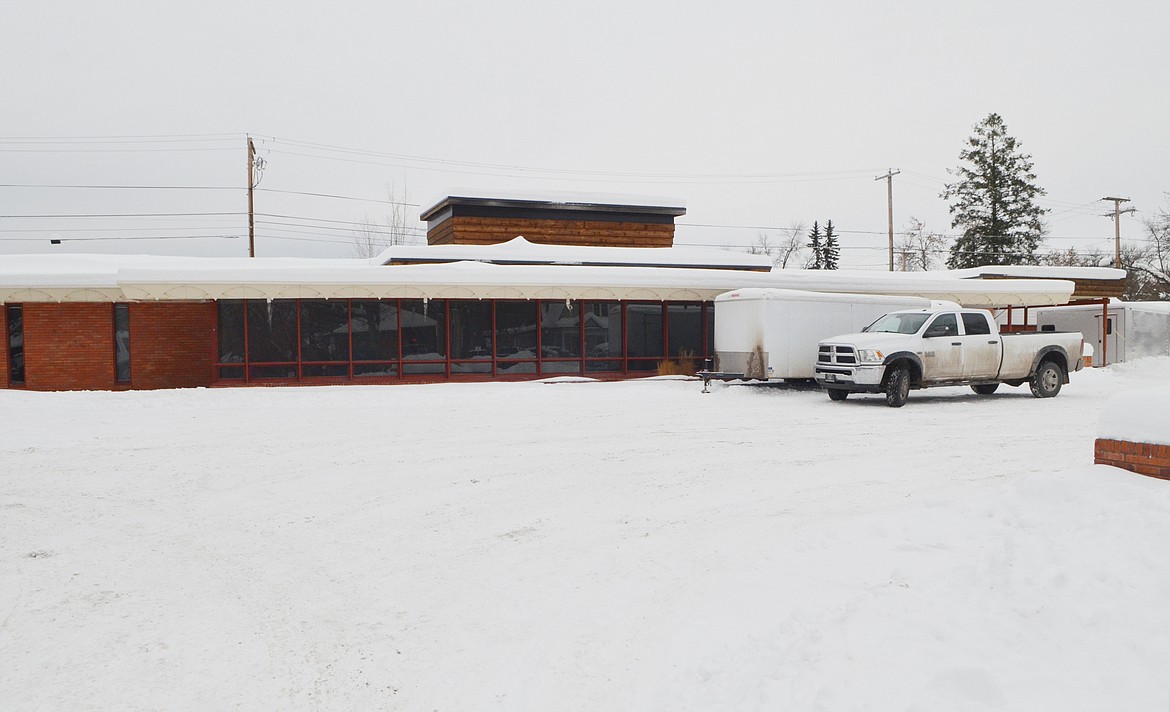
point(985, 389)
point(1047, 380)
point(838, 394)
point(898, 387)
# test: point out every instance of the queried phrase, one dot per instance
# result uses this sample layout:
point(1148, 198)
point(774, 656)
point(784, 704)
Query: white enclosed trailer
point(772, 334)
point(1133, 329)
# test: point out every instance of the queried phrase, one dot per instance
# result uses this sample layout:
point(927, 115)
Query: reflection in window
point(15, 319)
point(975, 324)
point(423, 327)
point(272, 331)
point(560, 337)
point(324, 332)
point(644, 335)
point(122, 343)
point(944, 325)
point(709, 312)
point(375, 331)
point(685, 329)
point(471, 335)
point(516, 337)
point(231, 331)
point(603, 336)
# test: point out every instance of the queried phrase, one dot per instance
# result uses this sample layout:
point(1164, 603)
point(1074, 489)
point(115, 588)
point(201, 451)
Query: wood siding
point(488, 231)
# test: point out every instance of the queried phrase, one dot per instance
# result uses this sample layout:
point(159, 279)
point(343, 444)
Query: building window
point(471, 336)
point(122, 343)
point(272, 338)
point(516, 330)
point(15, 319)
point(231, 338)
point(644, 346)
point(684, 326)
point(298, 339)
point(560, 337)
point(603, 337)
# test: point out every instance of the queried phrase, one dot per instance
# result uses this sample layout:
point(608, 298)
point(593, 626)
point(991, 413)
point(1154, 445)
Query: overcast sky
point(756, 114)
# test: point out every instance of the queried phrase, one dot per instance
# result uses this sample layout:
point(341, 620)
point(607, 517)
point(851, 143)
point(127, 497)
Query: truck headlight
point(870, 355)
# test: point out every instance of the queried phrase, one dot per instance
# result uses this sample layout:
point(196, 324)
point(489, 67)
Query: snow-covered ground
point(597, 546)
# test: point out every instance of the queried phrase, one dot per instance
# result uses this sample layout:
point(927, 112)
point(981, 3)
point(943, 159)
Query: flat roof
point(519, 251)
point(88, 278)
point(554, 206)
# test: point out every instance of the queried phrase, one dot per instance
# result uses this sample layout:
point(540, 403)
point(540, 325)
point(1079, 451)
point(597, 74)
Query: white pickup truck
point(921, 348)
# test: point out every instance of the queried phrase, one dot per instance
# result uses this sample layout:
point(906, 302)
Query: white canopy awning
point(137, 278)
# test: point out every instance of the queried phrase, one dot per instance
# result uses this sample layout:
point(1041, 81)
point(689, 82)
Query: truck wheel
point(838, 394)
point(985, 389)
point(1047, 380)
point(897, 387)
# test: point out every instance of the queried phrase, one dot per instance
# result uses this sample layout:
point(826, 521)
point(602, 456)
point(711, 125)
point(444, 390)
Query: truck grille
point(829, 353)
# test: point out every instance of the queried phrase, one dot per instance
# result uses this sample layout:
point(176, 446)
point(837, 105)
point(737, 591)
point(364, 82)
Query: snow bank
point(591, 546)
point(1137, 416)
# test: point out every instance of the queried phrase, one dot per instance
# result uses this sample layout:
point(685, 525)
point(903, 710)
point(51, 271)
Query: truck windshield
point(899, 323)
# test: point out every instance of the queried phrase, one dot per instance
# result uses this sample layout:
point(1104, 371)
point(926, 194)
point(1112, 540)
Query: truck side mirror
point(935, 331)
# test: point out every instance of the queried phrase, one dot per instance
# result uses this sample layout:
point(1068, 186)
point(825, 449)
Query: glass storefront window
point(324, 331)
point(471, 336)
point(423, 329)
point(684, 327)
point(560, 330)
point(644, 330)
point(231, 331)
point(15, 317)
point(603, 335)
point(122, 343)
point(392, 338)
point(375, 330)
point(272, 331)
point(516, 337)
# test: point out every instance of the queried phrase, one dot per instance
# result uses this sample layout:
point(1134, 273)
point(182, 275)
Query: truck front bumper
point(861, 378)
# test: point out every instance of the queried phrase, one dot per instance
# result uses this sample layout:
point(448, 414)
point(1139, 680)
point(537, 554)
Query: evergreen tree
point(831, 251)
point(994, 201)
point(817, 260)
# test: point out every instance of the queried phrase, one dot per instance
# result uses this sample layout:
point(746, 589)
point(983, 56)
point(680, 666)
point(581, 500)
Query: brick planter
point(1142, 458)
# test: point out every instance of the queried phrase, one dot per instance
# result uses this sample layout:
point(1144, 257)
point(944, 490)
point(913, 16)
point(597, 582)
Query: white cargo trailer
point(1134, 329)
point(772, 334)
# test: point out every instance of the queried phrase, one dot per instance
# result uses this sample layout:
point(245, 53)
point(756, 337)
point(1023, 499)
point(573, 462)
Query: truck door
point(942, 352)
point(981, 348)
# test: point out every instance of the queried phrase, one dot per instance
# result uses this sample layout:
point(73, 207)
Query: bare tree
point(784, 247)
point(373, 235)
point(922, 250)
point(1158, 239)
point(1143, 281)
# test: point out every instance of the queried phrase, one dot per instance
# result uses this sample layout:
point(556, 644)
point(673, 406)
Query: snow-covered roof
point(76, 277)
point(520, 251)
point(794, 295)
point(1039, 272)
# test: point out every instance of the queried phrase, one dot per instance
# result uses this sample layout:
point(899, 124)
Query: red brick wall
point(171, 344)
point(69, 346)
point(1142, 458)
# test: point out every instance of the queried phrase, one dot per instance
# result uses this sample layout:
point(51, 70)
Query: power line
point(111, 150)
point(122, 215)
point(158, 138)
point(501, 166)
point(121, 187)
point(340, 197)
point(113, 238)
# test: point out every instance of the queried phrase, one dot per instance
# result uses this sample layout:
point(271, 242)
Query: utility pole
point(251, 186)
point(889, 176)
point(1116, 215)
